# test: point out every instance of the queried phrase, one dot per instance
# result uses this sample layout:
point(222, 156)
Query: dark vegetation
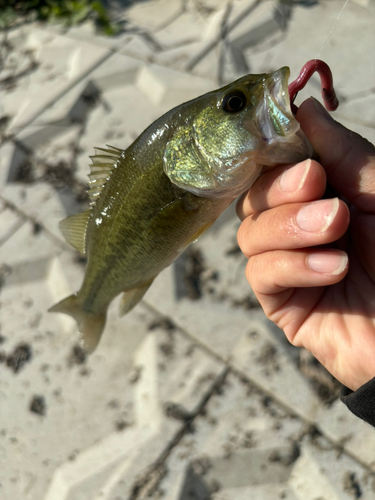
point(68, 12)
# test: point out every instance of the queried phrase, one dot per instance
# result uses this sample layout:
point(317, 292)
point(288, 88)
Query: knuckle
point(249, 271)
point(243, 236)
point(263, 271)
point(241, 207)
point(255, 271)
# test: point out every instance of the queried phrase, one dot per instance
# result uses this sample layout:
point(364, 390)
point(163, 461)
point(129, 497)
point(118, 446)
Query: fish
point(152, 200)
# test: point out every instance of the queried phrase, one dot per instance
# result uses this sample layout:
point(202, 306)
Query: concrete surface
point(194, 394)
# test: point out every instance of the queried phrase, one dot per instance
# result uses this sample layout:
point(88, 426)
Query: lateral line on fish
point(331, 30)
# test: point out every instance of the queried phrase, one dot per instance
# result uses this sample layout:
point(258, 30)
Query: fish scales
point(170, 185)
point(137, 244)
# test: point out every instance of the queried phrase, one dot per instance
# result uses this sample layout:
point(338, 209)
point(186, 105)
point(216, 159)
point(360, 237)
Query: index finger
point(305, 181)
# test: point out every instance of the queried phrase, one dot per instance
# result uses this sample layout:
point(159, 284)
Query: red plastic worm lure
point(328, 92)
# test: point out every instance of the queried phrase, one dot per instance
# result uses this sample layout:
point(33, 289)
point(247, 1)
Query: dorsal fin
point(103, 162)
point(74, 228)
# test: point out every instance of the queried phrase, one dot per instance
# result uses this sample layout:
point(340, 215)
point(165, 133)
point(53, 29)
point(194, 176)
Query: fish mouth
point(278, 88)
point(275, 119)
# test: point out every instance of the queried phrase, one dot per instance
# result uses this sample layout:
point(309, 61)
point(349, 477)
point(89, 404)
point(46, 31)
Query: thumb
point(348, 158)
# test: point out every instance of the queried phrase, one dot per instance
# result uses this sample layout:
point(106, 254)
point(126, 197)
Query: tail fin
point(90, 325)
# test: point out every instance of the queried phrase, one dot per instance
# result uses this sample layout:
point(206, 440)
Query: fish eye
point(234, 101)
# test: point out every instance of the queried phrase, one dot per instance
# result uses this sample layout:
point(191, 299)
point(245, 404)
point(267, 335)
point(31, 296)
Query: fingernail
point(293, 178)
point(317, 216)
point(321, 110)
point(327, 263)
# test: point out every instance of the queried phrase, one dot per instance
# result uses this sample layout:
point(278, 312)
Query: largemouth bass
point(149, 202)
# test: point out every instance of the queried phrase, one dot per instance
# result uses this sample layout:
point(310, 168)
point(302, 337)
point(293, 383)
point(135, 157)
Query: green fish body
point(149, 202)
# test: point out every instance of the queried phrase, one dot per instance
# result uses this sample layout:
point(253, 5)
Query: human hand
point(298, 251)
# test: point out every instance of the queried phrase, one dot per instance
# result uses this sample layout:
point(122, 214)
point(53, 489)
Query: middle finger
point(295, 225)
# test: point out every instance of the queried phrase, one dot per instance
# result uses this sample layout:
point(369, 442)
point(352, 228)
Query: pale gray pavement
point(193, 395)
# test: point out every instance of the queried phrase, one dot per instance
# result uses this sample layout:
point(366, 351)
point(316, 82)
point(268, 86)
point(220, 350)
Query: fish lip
point(274, 118)
point(278, 88)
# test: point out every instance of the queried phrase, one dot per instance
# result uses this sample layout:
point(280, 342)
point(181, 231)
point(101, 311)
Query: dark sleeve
point(362, 401)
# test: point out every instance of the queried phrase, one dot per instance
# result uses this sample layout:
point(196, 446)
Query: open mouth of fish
point(274, 117)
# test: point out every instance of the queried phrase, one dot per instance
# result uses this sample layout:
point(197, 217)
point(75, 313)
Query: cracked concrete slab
point(142, 395)
point(354, 435)
point(243, 445)
point(54, 63)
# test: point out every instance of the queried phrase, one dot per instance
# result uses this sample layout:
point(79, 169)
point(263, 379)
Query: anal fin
point(130, 298)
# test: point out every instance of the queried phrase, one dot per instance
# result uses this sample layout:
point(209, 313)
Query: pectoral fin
point(130, 298)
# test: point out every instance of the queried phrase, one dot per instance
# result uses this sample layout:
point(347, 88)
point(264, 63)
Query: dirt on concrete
point(38, 405)
point(21, 355)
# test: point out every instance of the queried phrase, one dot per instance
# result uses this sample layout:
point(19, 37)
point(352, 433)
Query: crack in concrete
point(148, 482)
